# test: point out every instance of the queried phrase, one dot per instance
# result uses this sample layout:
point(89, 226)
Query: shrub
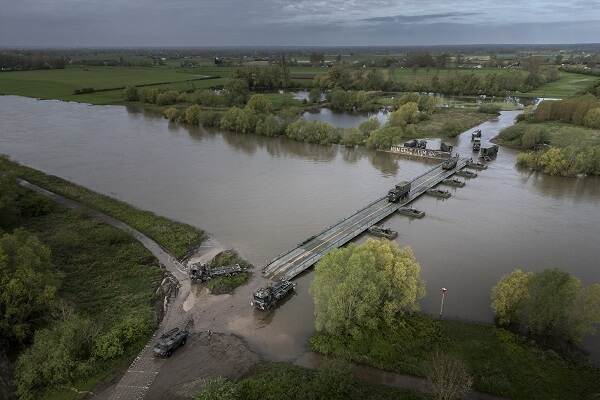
point(592, 118)
point(312, 132)
point(259, 103)
point(452, 128)
point(131, 93)
point(209, 119)
point(113, 343)
point(167, 98)
point(369, 126)
point(171, 113)
point(192, 115)
point(270, 125)
point(489, 108)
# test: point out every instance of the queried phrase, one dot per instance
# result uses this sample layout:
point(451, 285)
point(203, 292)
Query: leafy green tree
point(59, 355)
point(533, 135)
point(509, 295)
point(369, 126)
point(260, 103)
point(386, 137)
point(239, 120)
point(364, 286)
point(312, 132)
point(236, 91)
point(550, 303)
point(218, 389)
point(270, 125)
point(406, 114)
point(129, 330)
point(9, 207)
point(28, 284)
point(131, 93)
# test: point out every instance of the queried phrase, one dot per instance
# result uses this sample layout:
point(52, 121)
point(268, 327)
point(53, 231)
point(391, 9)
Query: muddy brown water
point(263, 195)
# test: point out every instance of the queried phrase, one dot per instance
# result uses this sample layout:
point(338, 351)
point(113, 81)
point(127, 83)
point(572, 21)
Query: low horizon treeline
point(10, 61)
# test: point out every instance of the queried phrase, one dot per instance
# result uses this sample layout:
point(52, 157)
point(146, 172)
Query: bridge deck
point(290, 264)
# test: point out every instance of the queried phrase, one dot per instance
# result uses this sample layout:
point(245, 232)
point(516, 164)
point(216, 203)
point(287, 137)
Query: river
point(263, 195)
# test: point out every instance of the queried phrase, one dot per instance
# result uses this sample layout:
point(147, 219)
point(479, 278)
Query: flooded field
point(263, 195)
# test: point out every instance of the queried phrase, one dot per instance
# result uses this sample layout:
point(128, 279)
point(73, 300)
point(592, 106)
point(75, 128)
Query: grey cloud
point(419, 18)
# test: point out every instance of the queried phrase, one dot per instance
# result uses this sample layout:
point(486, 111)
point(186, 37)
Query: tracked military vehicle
point(450, 163)
point(399, 192)
point(169, 342)
point(380, 231)
point(204, 273)
point(267, 298)
point(476, 134)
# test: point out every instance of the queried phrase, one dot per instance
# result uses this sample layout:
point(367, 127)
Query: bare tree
point(448, 377)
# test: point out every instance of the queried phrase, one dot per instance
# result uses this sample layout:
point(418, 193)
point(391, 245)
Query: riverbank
point(501, 363)
point(176, 237)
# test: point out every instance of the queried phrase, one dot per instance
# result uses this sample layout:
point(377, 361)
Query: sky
point(205, 23)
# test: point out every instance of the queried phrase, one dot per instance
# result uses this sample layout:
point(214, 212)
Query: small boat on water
point(476, 165)
point(453, 182)
point(443, 194)
point(466, 174)
point(411, 212)
point(380, 231)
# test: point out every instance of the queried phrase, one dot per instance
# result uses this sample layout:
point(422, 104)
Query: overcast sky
point(295, 22)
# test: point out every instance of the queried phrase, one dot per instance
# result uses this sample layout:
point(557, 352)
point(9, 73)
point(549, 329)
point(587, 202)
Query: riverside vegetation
point(77, 295)
point(360, 319)
point(559, 137)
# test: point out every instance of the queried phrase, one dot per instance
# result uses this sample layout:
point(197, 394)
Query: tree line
point(12, 61)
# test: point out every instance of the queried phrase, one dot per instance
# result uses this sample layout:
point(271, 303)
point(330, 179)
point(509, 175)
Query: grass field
point(449, 122)
point(409, 75)
point(61, 83)
point(500, 362)
point(556, 133)
point(568, 85)
point(176, 237)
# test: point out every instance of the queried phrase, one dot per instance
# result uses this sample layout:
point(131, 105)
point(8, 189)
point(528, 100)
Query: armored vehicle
point(445, 147)
point(380, 231)
point(476, 134)
point(477, 144)
point(399, 192)
point(489, 152)
point(411, 212)
point(450, 163)
point(266, 298)
point(169, 342)
point(411, 143)
point(203, 273)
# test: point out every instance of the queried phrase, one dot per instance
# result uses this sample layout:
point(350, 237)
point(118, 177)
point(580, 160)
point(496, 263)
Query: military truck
point(399, 192)
point(204, 273)
point(446, 147)
point(169, 342)
point(476, 134)
point(477, 144)
point(266, 298)
point(489, 152)
point(450, 163)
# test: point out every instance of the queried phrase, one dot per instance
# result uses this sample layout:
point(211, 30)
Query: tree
point(9, 207)
point(448, 377)
point(509, 294)
point(171, 113)
point(259, 103)
point(218, 389)
point(364, 286)
point(369, 126)
point(386, 137)
point(550, 303)
point(28, 284)
point(592, 118)
point(406, 114)
point(236, 91)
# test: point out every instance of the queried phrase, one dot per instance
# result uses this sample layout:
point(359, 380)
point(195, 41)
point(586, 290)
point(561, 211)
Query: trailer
point(204, 273)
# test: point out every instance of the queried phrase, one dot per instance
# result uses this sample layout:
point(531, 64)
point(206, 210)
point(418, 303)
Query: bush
point(489, 108)
point(452, 128)
point(192, 115)
point(167, 98)
point(269, 125)
point(406, 114)
point(113, 343)
point(259, 103)
point(210, 119)
point(369, 126)
point(312, 132)
point(171, 114)
point(239, 120)
point(592, 118)
point(131, 93)
point(386, 137)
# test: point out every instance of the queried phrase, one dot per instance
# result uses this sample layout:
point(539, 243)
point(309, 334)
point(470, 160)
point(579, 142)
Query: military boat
point(380, 231)
point(453, 182)
point(443, 194)
point(476, 165)
point(466, 174)
point(411, 212)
